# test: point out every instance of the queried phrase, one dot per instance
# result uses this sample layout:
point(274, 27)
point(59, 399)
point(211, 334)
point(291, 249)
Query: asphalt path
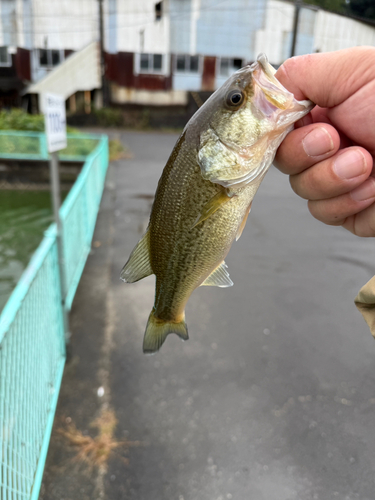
point(272, 397)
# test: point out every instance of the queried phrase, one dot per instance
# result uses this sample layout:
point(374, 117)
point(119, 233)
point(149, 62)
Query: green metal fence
point(23, 145)
point(32, 347)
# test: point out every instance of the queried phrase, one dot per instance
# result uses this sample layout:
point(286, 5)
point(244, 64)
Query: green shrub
point(18, 119)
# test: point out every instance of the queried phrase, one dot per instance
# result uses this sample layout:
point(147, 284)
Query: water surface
point(24, 216)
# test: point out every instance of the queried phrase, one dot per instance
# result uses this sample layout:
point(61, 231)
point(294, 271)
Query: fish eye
point(235, 98)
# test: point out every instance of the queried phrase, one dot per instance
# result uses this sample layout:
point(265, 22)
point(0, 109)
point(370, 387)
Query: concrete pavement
point(273, 396)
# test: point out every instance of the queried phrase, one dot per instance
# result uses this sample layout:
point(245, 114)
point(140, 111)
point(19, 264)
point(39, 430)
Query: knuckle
point(321, 211)
point(307, 184)
point(295, 183)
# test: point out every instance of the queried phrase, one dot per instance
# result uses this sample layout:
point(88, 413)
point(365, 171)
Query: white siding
point(273, 38)
point(317, 31)
point(136, 22)
point(184, 81)
point(334, 32)
point(9, 22)
point(65, 24)
point(227, 28)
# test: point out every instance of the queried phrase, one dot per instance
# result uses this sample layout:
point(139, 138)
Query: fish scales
point(183, 256)
point(205, 193)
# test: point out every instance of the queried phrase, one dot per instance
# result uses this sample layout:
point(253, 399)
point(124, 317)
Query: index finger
point(329, 78)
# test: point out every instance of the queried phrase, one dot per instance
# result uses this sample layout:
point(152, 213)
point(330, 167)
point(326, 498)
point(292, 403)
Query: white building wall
point(9, 22)
point(187, 81)
point(138, 30)
point(317, 31)
point(26, 35)
point(333, 32)
point(184, 15)
point(65, 24)
point(227, 28)
point(273, 38)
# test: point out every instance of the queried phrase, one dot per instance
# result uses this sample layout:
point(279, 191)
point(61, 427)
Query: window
point(55, 55)
point(145, 61)
point(187, 64)
point(5, 57)
point(43, 57)
point(158, 11)
point(229, 66)
point(157, 60)
point(151, 63)
point(49, 58)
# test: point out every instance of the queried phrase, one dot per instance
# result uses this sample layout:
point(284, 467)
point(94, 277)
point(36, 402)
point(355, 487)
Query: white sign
point(55, 122)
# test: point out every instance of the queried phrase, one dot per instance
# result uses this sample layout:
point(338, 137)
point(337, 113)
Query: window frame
point(151, 70)
point(50, 64)
point(231, 68)
point(187, 64)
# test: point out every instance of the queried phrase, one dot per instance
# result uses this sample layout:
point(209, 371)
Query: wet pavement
point(273, 396)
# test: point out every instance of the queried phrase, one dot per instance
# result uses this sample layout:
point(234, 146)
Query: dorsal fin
point(219, 277)
point(138, 265)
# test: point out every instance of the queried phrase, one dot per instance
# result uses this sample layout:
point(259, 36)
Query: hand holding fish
point(205, 193)
point(329, 156)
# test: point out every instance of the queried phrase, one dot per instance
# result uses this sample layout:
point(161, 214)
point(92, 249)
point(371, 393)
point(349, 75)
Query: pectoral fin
point(138, 266)
point(219, 277)
point(243, 224)
point(211, 206)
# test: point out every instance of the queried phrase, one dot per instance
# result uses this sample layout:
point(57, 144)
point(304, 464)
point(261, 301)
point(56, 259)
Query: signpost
point(55, 121)
point(55, 125)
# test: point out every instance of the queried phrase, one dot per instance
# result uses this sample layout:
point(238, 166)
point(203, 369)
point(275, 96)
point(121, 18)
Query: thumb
point(329, 78)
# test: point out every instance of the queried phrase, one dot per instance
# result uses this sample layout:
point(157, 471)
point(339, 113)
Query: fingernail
point(317, 142)
point(350, 164)
point(365, 191)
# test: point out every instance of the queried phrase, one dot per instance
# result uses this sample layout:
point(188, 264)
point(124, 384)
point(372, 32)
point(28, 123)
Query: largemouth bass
point(205, 192)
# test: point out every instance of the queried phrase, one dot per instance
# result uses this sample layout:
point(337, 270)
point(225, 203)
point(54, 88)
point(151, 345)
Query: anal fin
point(219, 277)
point(138, 265)
point(212, 205)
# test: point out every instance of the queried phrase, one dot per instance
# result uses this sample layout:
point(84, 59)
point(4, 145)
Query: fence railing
point(23, 145)
point(32, 344)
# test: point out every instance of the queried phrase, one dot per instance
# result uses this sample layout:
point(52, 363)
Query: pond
point(24, 216)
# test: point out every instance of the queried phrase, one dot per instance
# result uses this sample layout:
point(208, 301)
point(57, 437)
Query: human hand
point(329, 156)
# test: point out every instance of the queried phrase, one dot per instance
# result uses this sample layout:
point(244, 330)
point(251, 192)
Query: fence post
point(56, 202)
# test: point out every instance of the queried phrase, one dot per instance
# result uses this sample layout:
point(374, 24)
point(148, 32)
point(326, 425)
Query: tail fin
point(157, 331)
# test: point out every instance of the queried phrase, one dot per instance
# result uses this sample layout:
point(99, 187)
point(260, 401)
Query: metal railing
point(32, 344)
point(23, 145)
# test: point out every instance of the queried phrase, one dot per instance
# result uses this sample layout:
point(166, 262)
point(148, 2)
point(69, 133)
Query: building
point(158, 51)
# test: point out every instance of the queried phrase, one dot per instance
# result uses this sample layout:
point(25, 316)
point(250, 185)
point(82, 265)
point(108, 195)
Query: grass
point(117, 150)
